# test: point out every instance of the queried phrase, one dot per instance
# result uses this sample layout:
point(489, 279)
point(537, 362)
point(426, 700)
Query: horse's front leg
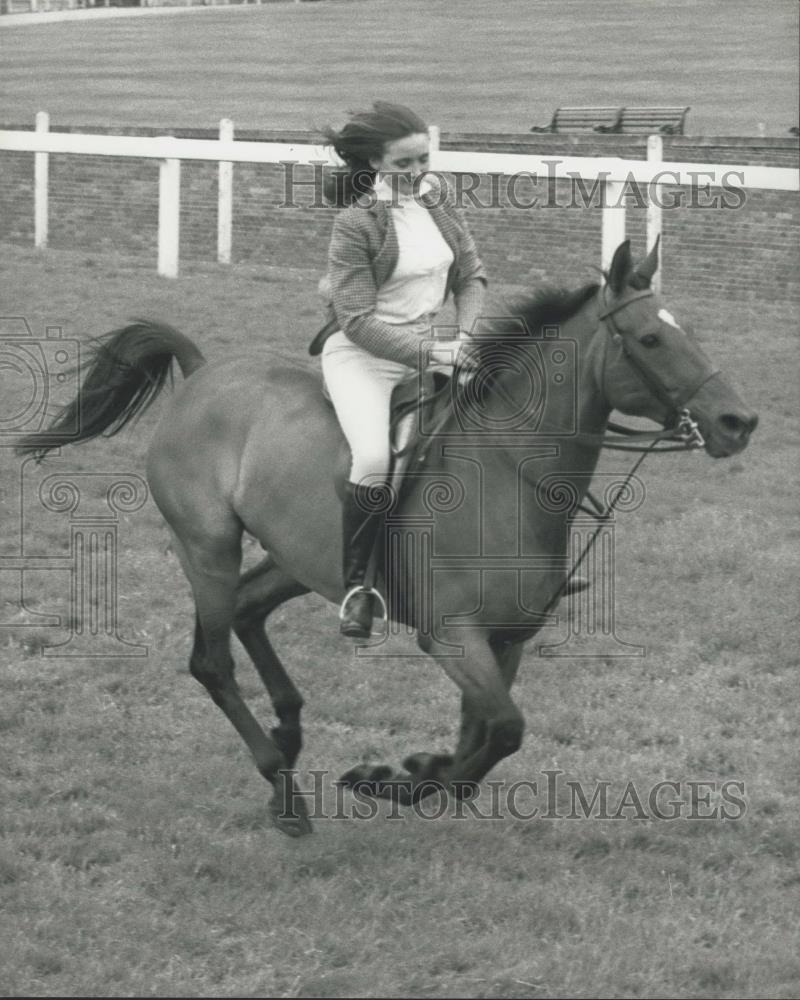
point(493, 730)
point(472, 733)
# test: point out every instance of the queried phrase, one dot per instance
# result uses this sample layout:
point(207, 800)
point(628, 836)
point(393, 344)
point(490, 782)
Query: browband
point(645, 293)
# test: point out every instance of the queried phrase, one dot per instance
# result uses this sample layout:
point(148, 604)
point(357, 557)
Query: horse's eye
point(649, 340)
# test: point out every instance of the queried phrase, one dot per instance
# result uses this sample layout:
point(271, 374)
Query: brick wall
point(746, 252)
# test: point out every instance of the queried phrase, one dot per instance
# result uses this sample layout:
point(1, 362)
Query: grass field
point(468, 66)
point(135, 855)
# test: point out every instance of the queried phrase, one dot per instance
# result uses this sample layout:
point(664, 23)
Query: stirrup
point(361, 589)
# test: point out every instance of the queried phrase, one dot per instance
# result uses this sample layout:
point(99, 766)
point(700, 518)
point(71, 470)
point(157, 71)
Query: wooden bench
point(667, 120)
point(582, 120)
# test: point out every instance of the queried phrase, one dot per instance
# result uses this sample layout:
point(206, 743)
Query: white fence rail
point(613, 173)
point(44, 6)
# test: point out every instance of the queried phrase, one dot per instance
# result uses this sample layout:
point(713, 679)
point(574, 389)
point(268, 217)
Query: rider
point(397, 251)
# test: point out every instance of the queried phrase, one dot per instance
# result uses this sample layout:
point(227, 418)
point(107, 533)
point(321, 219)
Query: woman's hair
point(364, 137)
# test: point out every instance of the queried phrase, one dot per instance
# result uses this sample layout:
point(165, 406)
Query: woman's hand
point(454, 354)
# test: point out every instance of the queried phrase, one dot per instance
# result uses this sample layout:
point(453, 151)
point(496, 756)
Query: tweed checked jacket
point(363, 254)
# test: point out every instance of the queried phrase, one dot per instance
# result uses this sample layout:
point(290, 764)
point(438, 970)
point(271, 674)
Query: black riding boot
point(359, 528)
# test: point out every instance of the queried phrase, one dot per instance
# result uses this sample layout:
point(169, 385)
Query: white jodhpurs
point(360, 386)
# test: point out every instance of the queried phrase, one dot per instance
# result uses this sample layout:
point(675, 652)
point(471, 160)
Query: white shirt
point(417, 285)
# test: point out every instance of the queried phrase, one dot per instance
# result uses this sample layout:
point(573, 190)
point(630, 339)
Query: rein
point(685, 435)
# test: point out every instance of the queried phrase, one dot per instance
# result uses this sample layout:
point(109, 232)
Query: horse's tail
point(125, 371)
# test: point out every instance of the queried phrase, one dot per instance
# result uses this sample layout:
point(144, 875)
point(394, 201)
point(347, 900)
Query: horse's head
point(653, 368)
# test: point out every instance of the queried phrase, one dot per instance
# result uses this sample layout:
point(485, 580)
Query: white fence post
point(613, 232)
point(435, 135)
point(225, 198)
point(655, 154)
point(169, 215)
point(41, 165)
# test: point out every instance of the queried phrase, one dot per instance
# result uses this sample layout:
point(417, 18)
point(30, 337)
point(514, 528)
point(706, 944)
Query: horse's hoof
point(365, 777)
point(297, 827)
point(464, 790)
point(294, 824)
point(427, 764)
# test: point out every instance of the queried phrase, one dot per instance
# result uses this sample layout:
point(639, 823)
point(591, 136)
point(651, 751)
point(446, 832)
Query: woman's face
point(406, 158)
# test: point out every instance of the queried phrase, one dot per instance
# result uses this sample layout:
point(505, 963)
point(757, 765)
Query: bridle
point(684, 430)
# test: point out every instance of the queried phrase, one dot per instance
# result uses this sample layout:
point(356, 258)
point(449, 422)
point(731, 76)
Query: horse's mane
point(550, 306)
point(535, 316)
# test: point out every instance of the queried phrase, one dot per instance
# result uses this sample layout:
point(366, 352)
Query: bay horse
point(252, 445)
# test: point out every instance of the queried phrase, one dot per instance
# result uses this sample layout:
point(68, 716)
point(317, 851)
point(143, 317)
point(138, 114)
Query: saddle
point(421, 397)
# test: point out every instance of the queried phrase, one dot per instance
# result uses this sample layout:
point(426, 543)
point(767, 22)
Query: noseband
point(673, 399)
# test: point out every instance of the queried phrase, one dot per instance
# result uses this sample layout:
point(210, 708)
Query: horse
point(252, 445)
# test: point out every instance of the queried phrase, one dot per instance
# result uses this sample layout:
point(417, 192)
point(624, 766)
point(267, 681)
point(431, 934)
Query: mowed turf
point(470, 65)
point(135, 853)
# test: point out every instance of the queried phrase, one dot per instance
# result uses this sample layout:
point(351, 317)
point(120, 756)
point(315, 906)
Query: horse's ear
point(621, 267)
point(649, 265)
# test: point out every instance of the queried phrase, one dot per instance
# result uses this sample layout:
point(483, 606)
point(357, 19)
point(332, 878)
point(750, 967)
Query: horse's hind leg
point(260, 590)
point(212, 566)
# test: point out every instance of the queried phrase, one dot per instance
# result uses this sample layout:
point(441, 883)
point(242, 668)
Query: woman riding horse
point(474, 578)
point(397, 251)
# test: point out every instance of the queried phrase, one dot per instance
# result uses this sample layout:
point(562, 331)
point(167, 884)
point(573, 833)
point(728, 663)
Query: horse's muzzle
point(729, 433)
